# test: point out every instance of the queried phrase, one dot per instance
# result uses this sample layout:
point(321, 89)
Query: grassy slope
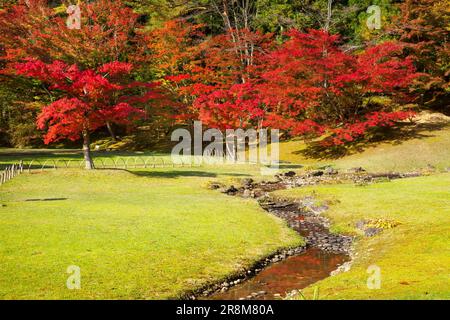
point(414, 257)
point(428, 147)
point(151, 235)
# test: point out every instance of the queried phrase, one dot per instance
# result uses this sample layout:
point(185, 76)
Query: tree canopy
point(312, 68)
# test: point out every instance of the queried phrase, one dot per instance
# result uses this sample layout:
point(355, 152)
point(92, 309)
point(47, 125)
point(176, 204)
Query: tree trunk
point(329, 15)
point(111, 131)
point(89, 164)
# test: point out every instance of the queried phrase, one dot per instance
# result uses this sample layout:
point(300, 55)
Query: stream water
point(296, 272)
point(323, 254)
point(296, 269)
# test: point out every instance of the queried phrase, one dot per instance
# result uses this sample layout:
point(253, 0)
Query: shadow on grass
point(182, 173)
point(287, 166)
point(393, 136)
point(11, 155)
point(46, 199)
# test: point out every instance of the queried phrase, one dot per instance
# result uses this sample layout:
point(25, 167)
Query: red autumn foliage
point(82, 67)
point(90, 98)
point(315, 87)
point(166, 55)
point(422, 26)
point(33, 29)
point(236, 107)
point(214, 80)
point(307, 86)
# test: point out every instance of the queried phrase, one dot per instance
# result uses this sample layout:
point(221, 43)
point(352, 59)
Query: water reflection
point(294, 273)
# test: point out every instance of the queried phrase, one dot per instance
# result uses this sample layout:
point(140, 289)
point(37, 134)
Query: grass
point(407, 148)
point(422, 148)
point(414, 257)
point(73, 158)
point(155, 233)
point(135, 235)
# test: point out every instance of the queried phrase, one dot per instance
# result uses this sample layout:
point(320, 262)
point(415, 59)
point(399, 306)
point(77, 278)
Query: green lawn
point(135, 235)
point(412, 148)
point(155, 233)
point(414, 257)
point(425, 147)
point(73, 158)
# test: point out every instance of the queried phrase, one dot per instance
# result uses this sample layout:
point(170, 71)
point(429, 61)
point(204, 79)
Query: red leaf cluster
point(90, 98)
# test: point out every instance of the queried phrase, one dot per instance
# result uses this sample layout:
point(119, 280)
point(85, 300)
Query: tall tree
point(35, 29)
point(89, 98)
point(237, 19)
point(423, 26)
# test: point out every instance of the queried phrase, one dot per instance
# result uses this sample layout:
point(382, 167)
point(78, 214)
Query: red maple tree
point(89, 99)
point(80, 66)
point(310, 85)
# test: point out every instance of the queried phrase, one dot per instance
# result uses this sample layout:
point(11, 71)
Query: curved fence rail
point(124, 163)
point(10, 172)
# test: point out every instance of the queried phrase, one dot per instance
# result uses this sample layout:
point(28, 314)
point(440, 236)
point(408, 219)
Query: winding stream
point(297, 268)
point(296, 272)
point(324, 252)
